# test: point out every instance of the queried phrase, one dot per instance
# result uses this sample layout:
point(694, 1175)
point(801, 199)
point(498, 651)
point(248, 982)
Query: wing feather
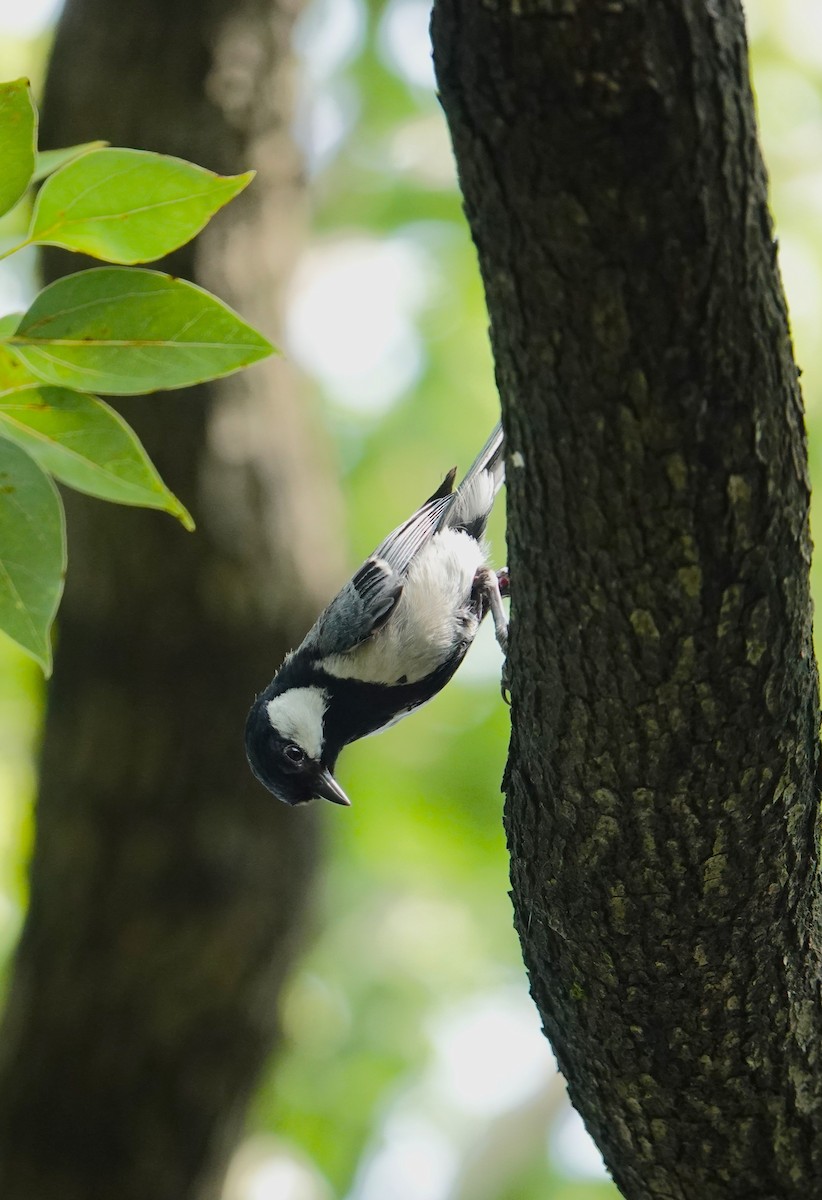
point(408, 539)
point(368, 599)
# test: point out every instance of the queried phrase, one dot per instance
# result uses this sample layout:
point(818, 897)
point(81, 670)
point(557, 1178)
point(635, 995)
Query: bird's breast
point(431, 620)
point(358, 708)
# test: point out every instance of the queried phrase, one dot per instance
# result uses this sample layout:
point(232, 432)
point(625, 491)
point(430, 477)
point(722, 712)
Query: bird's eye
point(294, 754)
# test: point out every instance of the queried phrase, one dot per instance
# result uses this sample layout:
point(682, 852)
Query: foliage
point(113, 330)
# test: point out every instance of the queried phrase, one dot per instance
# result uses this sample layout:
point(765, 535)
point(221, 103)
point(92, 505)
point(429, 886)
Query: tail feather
point(474, 498)
point(490, 458)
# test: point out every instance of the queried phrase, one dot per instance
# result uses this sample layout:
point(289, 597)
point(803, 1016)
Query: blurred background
point(412, 1066)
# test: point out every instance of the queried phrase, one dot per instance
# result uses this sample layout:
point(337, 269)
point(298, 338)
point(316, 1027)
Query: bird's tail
point(491, 458)
point(474, 498)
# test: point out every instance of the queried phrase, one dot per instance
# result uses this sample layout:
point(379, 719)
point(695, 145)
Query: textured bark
point(168, 890)
point(662, 793)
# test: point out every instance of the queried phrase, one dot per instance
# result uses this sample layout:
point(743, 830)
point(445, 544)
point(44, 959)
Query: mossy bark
point(662, 787)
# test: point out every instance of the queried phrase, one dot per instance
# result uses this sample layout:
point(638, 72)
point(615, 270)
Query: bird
point(389, 641)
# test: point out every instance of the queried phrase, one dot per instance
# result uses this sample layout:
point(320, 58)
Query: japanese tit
point(387, 643)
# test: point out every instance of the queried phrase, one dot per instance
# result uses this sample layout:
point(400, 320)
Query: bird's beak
point(329, 789)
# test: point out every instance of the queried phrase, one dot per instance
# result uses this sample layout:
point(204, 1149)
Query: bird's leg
point(494, 593)
point(494, 586)
point(489, 589)
point(486, 596)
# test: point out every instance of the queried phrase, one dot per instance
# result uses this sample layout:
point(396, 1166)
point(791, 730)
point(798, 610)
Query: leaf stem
point(13, 249)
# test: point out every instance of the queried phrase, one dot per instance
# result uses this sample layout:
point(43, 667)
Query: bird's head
point(284, 742)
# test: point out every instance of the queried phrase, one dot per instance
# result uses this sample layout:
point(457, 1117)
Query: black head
point(281, 761)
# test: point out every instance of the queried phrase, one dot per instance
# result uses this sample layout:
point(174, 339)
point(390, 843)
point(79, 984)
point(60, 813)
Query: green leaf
point(18, 139)
point(122, 331)
point(32, 552)
point(49, 161)
point(86, 444)
point(129, 206)
point(14, 375)
point(8, 323)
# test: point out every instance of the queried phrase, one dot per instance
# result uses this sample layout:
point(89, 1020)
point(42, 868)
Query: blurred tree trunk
point(663, 796)
point(168, 890)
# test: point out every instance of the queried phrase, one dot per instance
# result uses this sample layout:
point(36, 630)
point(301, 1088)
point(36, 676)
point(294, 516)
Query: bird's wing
point(367, 600)
point(357, 611)
point(408, 539)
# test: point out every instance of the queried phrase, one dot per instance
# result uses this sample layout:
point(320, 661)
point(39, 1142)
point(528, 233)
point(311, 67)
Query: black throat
point(356, 708)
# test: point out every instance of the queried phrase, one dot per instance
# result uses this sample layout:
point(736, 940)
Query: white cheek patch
point(297, 715)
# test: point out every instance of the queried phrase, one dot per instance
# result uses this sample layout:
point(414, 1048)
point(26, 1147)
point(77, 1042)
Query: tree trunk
point(168, 890)
point(662, 793)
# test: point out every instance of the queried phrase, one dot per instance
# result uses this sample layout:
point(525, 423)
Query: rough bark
point(662, 794)
point(168, 890)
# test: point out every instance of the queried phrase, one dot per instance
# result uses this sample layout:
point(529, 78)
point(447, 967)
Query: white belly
point(431, 615)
